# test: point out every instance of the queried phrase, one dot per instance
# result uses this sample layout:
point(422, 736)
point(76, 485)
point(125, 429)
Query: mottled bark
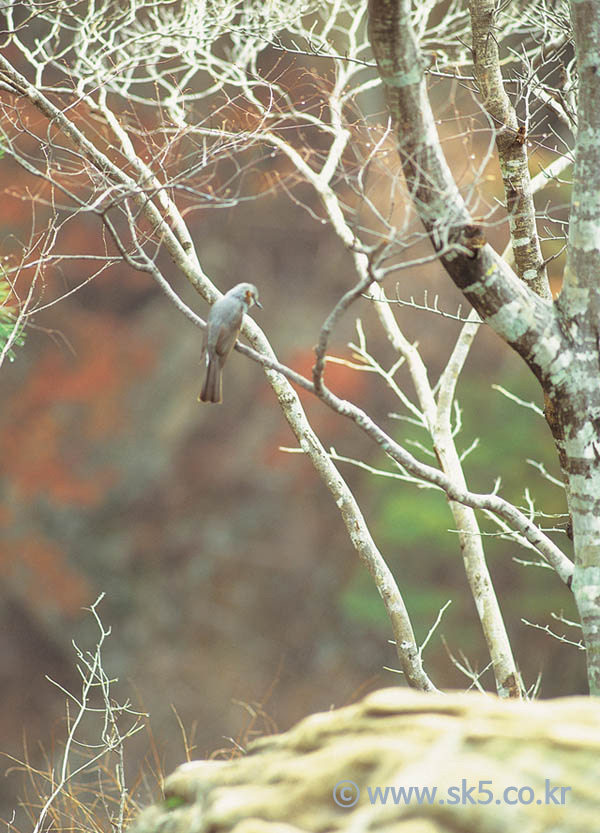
point(488, 283)
point(577, 391)
point(437, 411)
point(512, 149)
point(559, 341)
point(143, 188)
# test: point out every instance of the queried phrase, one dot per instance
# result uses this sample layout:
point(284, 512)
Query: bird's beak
point(258, 303)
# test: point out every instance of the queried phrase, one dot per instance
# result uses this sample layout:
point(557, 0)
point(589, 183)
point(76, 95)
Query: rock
point(490, 766)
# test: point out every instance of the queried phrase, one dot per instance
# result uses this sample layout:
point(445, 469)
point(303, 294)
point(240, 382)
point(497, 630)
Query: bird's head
point(250, 294)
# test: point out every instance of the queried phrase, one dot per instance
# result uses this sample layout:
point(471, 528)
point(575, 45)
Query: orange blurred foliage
point(41, 570)
point(342, 380)
point(39, 451)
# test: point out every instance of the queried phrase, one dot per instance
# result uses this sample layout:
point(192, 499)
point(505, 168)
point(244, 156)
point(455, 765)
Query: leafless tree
point(98, 728)
point(152, 106)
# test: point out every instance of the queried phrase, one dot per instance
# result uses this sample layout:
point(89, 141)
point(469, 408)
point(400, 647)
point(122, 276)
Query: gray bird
point(223, 325)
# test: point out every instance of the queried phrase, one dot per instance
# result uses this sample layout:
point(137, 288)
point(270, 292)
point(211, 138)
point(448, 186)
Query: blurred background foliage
point(229, 576)
point(415, 528)
point(231, 587)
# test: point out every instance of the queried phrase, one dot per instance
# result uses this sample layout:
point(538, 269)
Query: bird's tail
point(211, 389)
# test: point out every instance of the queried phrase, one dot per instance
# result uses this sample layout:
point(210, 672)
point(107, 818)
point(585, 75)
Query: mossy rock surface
point(541, 762)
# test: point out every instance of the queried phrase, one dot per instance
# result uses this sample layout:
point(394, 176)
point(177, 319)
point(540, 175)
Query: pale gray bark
point(560, 342)
point(178, 243)
point(87, 53)
point(437, 411)
point(512, 149)
point(575, 391)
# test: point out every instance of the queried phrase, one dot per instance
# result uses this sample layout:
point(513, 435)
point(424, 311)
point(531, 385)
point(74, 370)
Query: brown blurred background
point(228, 574)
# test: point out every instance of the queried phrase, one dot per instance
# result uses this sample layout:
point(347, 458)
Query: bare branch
point(487, 282)
point(561, 638)
point(512, 149)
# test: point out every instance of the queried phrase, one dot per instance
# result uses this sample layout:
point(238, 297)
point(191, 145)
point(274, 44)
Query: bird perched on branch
point(223, 325)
